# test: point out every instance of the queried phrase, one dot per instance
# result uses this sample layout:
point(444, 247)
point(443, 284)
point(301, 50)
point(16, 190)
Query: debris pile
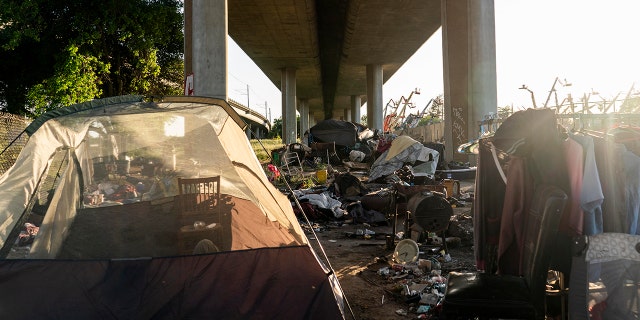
point(396, 211)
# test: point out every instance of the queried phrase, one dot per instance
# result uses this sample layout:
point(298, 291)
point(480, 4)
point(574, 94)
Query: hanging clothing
point(533, 135)
point(591, 196)
point(611, 173)
point(487, 207)
point(517, 202)
point(632, 191)
point(572, 220)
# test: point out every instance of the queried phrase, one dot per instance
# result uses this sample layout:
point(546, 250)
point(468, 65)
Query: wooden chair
point(197, 201)
point(486, 295)
point(198, 195)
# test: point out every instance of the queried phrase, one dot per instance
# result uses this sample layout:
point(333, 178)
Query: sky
point(592, 44)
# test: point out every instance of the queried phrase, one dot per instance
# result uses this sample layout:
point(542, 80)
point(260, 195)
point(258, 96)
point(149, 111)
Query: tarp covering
point(344, 133)
point(112, 240)
point(405, 150)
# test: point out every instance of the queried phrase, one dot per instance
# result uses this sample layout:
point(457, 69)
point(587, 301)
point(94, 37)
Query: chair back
point(198, 195)
point(540, 235)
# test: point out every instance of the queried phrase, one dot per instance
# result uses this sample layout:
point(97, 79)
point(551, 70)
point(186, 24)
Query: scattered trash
point(423, 309)
point(353, 201)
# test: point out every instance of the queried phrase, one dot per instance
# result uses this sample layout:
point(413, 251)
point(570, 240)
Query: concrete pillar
point(206, 30)
point(356, 104)
point(288, 89)
point(303, 109)
point(484, 92)
point(374, 96)
point(347, 114)
point(469, 65)
point(312, 120)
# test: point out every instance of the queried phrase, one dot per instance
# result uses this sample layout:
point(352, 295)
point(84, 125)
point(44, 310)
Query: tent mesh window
point(12, 139)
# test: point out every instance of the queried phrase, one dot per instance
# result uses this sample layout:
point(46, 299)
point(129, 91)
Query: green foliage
point(276, 129)
point(426, 120)
point(505, 112)
point(75, 80)
point(58, 52)
point(436, 109)
point(263, 148)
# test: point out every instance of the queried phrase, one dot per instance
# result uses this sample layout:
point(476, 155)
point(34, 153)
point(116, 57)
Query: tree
point(59, 52)
point(276, 129)
point(505, 112)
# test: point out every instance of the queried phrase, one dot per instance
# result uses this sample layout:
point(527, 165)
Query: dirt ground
point(375, 286)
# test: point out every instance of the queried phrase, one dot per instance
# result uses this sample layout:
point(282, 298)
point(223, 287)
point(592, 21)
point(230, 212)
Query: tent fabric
point(227, 153)
point(112, 239)
point(343, 133)
point(35, 124)
point(250, 284)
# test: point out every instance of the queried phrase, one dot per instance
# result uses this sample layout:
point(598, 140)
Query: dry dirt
point(360, 264)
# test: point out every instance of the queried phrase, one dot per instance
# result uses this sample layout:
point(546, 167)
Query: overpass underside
point(329, 57)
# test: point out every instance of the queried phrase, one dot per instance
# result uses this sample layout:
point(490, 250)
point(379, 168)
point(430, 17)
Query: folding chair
point(292, 163)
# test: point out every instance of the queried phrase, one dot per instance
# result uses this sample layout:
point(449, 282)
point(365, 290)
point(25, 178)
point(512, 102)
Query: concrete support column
point(303, 109)
point(356, 104)
point(484, 92)
point(288, 89)
point(469, 65)
point(347, 114)
point(206, 28)
point(374, 96)
point(312, 120)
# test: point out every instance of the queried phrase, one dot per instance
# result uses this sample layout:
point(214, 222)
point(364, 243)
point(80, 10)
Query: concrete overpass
point(329, 57)
point(256, 122)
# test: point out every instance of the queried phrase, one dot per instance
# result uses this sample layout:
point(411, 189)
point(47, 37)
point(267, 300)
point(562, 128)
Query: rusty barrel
point(431, 211)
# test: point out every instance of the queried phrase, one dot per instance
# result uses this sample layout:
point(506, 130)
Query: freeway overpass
point(256, 122)
point(330, 57)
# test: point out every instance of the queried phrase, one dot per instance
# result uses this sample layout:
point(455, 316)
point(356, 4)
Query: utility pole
point(248, 105)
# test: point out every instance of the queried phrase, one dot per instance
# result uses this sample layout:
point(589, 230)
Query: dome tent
point(123, 255)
